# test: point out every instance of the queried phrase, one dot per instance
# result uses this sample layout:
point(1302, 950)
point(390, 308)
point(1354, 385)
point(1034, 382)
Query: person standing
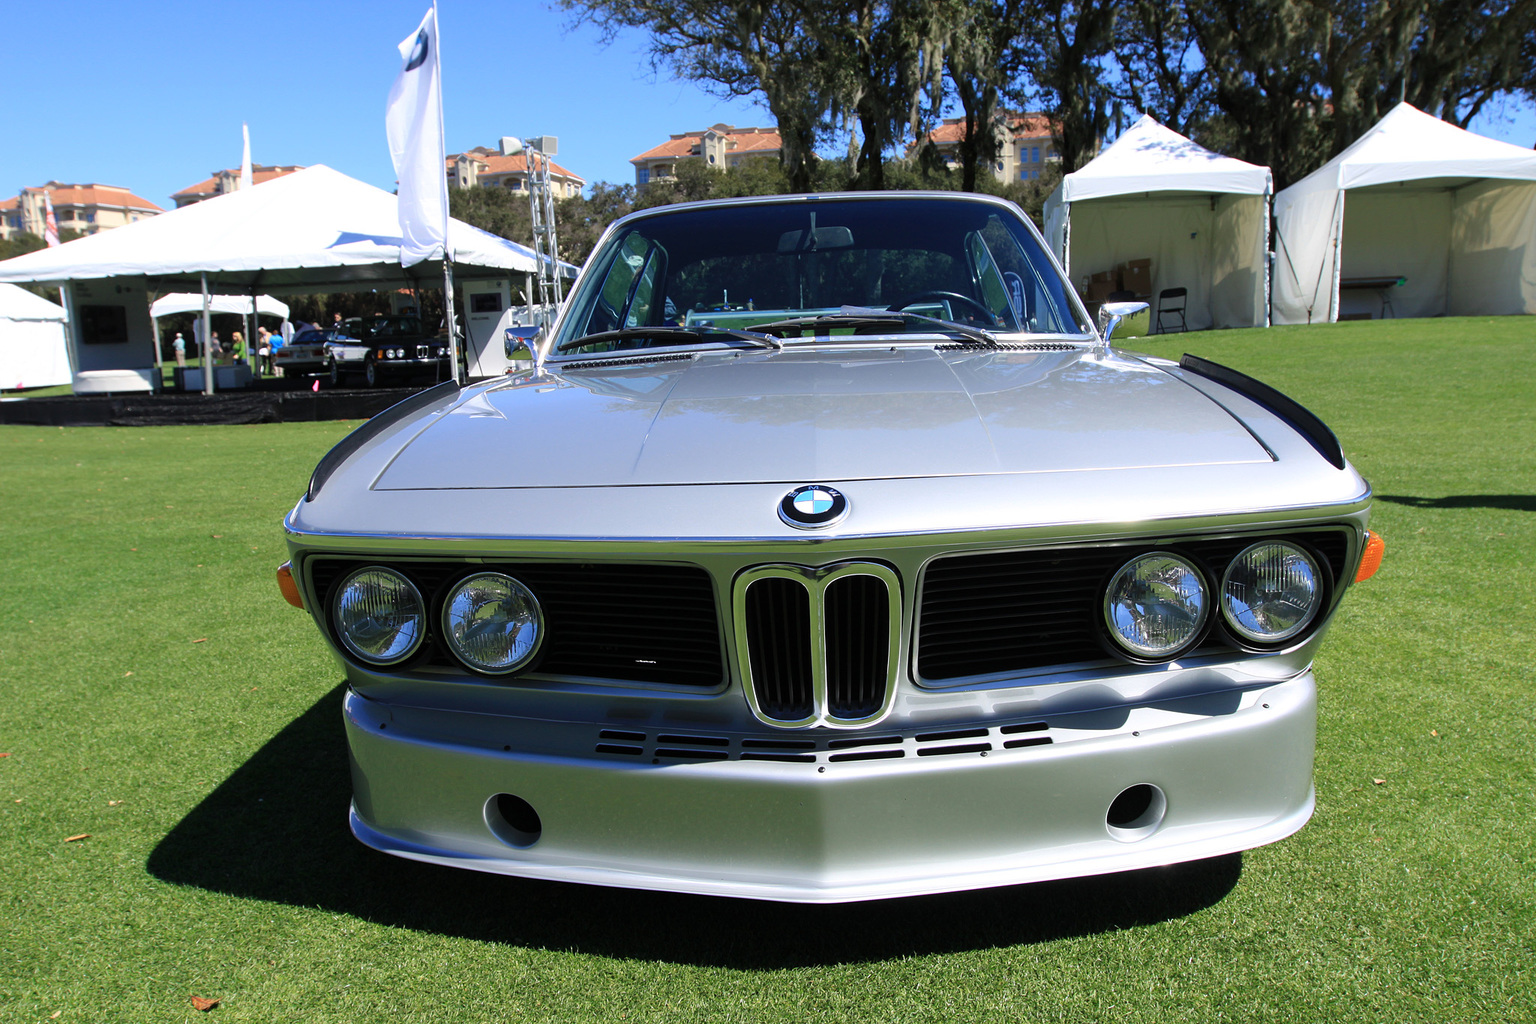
point(264, 350)
point(237, 346)
point(179, 346)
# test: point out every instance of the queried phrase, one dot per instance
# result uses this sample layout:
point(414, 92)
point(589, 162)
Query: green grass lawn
point(158, 695)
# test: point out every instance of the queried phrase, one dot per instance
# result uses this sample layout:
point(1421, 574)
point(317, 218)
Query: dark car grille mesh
point(857, 612)
point(643, 623)
point(779, 638)
point(989, 613)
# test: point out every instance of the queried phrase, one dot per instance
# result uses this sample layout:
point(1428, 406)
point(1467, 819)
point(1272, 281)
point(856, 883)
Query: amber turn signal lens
point(1375, 547)
point(286, 584)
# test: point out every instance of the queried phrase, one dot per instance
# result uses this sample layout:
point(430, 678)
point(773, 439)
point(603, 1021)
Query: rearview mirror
point(813, 239)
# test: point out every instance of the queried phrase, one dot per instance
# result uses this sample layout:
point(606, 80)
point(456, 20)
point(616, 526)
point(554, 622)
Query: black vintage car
point(386, 348)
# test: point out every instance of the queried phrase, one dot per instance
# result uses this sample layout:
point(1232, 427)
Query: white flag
point(50, 226)
point(414, 122)
point(245, 158)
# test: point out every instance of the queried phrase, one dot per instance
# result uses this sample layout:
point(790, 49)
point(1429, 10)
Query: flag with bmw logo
point(414, 122)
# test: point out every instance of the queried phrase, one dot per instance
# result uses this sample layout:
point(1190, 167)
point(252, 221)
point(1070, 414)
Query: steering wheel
point(985, 315)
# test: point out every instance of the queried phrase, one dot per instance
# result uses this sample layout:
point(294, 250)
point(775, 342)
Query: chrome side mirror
point(523, 337)
point(1111, 314)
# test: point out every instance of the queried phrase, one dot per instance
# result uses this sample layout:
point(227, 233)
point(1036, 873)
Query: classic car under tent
point(315, 230)
point(1416, 218)
point(33, 353)
point(1201, 219)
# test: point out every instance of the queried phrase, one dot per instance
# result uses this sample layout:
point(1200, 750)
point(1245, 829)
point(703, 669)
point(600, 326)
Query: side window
point(1039, 307)
point(609, 312)
point(643, 296)
point(990, 283)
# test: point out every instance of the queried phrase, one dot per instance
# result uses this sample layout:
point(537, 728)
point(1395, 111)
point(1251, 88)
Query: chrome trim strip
point(981, 538)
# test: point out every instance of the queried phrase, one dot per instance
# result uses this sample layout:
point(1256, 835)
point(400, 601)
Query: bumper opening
point(1136, 813)
point(513, 820)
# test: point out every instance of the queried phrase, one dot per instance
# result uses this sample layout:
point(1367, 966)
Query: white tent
point(311, 231)
point(315, 230)
point(32, 349)
point(1449, 214)
point(1201, 218)
point(192, 302)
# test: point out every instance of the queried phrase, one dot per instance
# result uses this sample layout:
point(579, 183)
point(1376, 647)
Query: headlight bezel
point(351, 647)
point(446, 635)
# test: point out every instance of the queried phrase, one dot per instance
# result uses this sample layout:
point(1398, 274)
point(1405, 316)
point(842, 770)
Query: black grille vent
point(857, 621)
point(1009, 346)
point(603, 364)
point(778, 635)
point(1008, 612)
point(639, 623)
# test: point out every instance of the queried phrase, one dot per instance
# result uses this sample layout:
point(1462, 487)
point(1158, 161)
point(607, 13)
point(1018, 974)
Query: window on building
point(643, 175)
point(999, 165)
point(90, 216)
point(1034, 154)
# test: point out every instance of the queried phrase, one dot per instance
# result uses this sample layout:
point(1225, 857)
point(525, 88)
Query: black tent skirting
point(175, 408)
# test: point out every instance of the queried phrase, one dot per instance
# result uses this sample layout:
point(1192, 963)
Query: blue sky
point(152, 97)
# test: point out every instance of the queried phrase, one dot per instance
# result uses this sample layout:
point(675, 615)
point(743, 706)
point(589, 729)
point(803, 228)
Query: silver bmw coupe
point(828, 551)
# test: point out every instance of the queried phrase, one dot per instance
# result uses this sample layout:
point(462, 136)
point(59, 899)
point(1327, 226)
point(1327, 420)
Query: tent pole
point(453, 326)
point(67, 300)
point(250, 339)
point(207, 340)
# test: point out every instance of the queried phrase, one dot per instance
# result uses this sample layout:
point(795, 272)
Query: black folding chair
point(1170, 303)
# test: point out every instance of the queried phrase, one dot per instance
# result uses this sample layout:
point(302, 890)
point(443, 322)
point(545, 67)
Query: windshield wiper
point(869, 316)
point(673, 335)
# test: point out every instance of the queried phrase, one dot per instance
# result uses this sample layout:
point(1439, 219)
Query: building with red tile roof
point(85, 209)
point(723, 146)
point(486, 166)
point(1025, 148)
point(228, 180)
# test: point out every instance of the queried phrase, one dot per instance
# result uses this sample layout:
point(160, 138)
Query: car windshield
point(804, 271)
point(381, 327)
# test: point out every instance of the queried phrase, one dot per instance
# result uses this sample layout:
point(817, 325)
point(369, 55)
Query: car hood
point(799, 416)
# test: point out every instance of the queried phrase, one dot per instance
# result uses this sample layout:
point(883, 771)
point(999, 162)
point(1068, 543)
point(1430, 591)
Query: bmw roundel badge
point(813, 506)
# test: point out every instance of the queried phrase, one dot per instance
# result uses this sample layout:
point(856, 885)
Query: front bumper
point(1234, 771)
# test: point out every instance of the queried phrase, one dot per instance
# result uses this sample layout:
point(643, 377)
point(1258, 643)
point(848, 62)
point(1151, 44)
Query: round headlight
point(1156, 605)
point(1271, 592)
point(380, 616)
point(493, 623)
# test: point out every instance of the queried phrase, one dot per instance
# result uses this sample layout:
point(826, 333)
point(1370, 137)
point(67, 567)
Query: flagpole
point(442, 177)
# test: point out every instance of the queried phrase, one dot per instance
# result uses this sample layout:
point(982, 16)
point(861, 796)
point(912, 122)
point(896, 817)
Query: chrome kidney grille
point(818, 646)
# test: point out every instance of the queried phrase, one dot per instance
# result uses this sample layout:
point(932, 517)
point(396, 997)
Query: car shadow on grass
point(277, 830)
point(1510, 502)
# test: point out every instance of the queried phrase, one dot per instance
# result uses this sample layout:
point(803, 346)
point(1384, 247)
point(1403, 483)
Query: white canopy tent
point(189, 302)
point(1202, 219)
point(1449, 214)
point(315, 230)
point(32, 349)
